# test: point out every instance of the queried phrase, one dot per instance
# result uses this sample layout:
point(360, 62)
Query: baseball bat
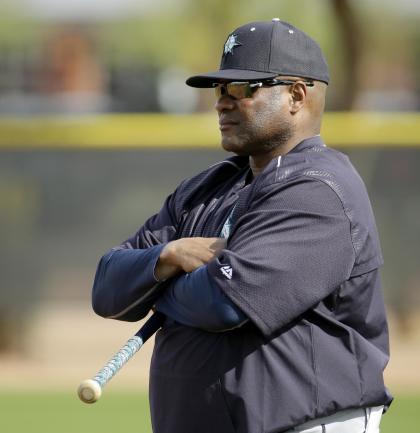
point(90, 390)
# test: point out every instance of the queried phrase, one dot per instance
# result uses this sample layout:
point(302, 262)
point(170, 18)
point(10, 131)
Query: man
point(267, 263)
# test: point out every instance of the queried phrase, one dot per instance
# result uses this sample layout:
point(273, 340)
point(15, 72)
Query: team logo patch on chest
point(227, 272)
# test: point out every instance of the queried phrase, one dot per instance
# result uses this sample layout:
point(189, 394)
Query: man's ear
point(297, 96)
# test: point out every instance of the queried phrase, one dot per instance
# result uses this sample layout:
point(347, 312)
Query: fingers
point(191, 264)
point(205, 248)
point(190, 253)
point(218, 245)
point(163, 271)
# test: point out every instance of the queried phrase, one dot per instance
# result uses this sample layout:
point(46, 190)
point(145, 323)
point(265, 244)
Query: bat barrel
point(151, 326)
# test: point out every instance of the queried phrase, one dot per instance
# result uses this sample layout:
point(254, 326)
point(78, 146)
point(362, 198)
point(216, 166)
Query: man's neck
point(260, 161)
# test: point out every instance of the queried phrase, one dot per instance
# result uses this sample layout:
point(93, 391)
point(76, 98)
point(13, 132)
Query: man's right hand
point(186, 255)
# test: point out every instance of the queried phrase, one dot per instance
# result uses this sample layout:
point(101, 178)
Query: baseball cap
point(263, 50)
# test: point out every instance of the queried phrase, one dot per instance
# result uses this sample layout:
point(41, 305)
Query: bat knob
point(89, 391)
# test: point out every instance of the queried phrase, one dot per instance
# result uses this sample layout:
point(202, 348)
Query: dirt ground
point(68, 343)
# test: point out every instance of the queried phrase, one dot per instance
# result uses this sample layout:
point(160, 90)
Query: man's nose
point(223, 103)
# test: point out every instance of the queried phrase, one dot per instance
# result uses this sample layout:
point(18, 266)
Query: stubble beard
point(257, 139)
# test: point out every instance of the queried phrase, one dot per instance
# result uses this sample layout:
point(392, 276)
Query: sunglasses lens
point(240, 90)
point(220, 90)
point(237, 90)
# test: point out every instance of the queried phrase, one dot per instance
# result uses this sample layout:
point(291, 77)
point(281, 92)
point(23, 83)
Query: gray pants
point(364, 420)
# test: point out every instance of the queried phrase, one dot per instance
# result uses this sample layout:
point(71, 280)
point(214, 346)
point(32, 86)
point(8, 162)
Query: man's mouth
point(225, 124)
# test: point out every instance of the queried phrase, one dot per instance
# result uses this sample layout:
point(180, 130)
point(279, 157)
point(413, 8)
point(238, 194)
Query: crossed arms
point(190, 297)
point(290, 250)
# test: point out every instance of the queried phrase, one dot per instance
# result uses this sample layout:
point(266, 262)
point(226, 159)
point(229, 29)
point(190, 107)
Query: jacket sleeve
point(288, 251)
point(196, 300)
point(125, 287)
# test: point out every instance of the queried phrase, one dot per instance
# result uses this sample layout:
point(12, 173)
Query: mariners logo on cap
point(230, 44)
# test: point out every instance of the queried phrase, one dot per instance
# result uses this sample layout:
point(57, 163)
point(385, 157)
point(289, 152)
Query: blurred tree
point(349, 30)
point(194, 37)
point(190, 34)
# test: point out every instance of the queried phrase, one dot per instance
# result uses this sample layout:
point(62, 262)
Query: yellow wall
point(114, 131)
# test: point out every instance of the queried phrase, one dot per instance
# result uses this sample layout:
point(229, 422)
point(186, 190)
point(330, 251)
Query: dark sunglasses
point(246, 89)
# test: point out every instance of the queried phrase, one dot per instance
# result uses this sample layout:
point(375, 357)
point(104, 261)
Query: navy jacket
point(302, 263)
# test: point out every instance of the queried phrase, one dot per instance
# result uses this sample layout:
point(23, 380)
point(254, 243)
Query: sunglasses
point(246, 89)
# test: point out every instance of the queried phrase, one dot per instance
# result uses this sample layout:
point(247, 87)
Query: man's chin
point(230, 144)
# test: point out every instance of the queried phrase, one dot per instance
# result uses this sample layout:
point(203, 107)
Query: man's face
point(255, 125)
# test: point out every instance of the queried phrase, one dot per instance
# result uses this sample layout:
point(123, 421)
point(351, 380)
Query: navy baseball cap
point(266, 49)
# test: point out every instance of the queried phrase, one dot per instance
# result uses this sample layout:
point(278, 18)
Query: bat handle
point(90, 390)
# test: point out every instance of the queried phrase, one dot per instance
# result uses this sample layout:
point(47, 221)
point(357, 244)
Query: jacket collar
point(308, 143)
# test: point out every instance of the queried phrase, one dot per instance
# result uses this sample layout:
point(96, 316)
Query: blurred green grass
point(62, 412)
